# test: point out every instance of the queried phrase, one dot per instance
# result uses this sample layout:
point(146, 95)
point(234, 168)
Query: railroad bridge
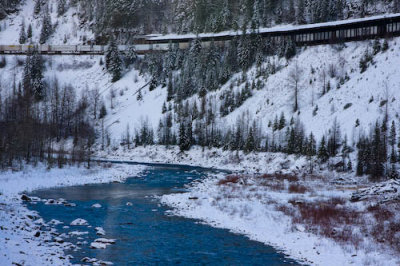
point(383, 26)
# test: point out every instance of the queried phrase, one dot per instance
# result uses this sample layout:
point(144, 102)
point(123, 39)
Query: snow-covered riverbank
point(310, 220)
point(23, 241)
point(274, 211)
point(209, 158)
point(267, 208)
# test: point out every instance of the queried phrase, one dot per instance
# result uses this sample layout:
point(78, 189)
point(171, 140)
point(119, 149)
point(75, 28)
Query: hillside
point(333, 93)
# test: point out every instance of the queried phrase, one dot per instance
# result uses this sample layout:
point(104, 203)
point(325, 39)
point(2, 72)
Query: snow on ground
point(254, 209)
point(360, 97)
point(270, 208)
point(22, 240)
point(209, 158)
point(67, 27)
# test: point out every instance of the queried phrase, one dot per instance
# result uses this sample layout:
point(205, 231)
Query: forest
point(51, 113)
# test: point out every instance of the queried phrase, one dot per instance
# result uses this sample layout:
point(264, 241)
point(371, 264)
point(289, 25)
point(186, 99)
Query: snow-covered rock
point(382, 192)
point(105, 241)
point(100, 231)
point(79, 222)
point(101, 243)
point(78, 233)
point(97, 245)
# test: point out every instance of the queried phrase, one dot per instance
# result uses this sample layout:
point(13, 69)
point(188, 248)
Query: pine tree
point(36, 75)
point(113, 61)
point(282, 121)
point(22, 35)
point(29, 32)
point(170, 90)
point(61, 7)
point(378, 157)
point(226, 16)
point(392, 143)
point(385, 45)
point(139, 96)
point(376, 46)
point(322, 151)
point(103, 111)
point(300, 15)
point(47, 27)
point(250, 142)
point(38, 6)
point(243, 50)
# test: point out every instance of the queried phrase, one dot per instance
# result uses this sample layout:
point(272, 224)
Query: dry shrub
point(230, 179)
point(386, 228)
point(280, 176)
point(274, 186)
point(286, 209)
point(297, 188)
point(328, 219)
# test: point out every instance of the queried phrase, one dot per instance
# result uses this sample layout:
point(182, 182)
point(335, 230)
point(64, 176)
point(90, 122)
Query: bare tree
point(323, 78)
point(94, 95)
point(295, 75)
point(112, 96)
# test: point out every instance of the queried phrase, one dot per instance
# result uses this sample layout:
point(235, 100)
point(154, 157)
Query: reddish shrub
point(280, 176)
point(230, 179)
point(297, 188)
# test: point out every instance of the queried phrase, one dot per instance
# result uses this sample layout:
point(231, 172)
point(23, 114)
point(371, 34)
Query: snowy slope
point(357, 91)
point(85, 73)
point(67, 27)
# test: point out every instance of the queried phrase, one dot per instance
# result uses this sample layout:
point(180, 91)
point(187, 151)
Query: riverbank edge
point(23, 240)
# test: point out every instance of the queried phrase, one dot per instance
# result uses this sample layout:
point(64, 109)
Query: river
point(144, 231)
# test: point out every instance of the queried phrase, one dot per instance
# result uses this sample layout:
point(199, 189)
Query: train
point(383, 26)
point(80, 49)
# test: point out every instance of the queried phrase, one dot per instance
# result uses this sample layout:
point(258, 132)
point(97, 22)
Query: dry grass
point(230, 179)
point(297, 188)
point(330, 219)
point(281, 177)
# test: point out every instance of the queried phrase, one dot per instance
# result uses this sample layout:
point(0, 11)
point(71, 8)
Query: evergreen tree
point(378, 157)
point(103, 111)
point(282, 122)
point(322, 151)
point(38, 6)
point(385, 45)
point(47, 27)
point(61, 7)
point(113, 61)
point(29, 32)
point(300, 15)
point(250, 142)
point(22, 35)
point(36, 75)
point(392, 143)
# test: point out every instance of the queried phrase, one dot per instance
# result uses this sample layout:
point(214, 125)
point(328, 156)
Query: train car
point(12, 48)
point(84, 49)
point(44, 48)
point(184, 45)
point(160, 47)
point(98, 49)
point(64, 49)
point(122, 48)
point(28, 48)
point(142, 48)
